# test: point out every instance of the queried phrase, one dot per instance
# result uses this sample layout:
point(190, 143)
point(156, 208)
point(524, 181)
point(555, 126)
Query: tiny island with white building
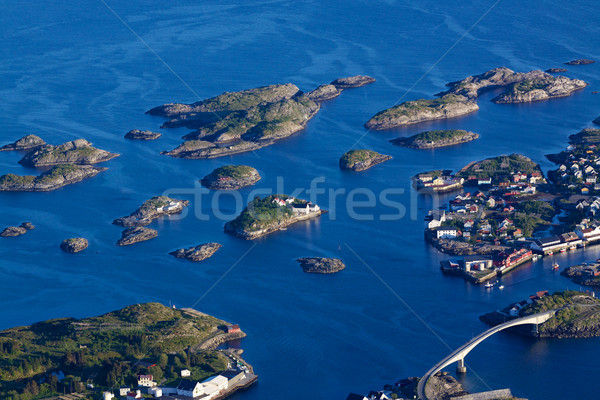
point(266, 215)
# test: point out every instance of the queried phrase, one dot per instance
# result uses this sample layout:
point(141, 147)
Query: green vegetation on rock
point(107, 349)
point(261, 213)
point(501, 165)
point(233, 172)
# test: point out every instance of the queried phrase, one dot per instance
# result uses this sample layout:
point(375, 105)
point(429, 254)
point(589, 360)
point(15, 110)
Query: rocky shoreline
point(578, 315)
point(587, 274)
point(231, 177)
point(435, 139)
point(57, 177)
point(274, 227)
point(153, 208)
point(321, 265)
point(197, 253)
point(361, 160)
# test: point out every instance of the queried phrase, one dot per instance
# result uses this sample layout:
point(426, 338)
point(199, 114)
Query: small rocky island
point(12, 231)
point(578, 315)
point(197, 253)
point(136, 134)
point(57, 177)
point(266, 215)
point(136, 234)
point(237, 122)
point(556, 70)
point(434, 139)
point(520, 86)
point(25, 143)
point(596, 121)
point(74, 245)
point(321, 265)
point(231, 177)
point(151, 209)
point(360, 160)
point(352, 81)
point(587, 274)
point(580, 61)
point(79, 152)
point(415, 111)
point(460, 98)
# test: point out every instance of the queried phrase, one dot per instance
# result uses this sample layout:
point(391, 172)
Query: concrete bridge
point(459, 354)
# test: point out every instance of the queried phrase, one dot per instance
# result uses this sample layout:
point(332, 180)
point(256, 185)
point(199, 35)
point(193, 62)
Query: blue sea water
point(87, 69)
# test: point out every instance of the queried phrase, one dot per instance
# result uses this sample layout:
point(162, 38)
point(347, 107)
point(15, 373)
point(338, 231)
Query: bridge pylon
point(460, 366)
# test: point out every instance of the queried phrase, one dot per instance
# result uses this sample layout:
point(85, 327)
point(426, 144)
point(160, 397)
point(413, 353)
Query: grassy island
point(107, 351)
point(269, 214)
point(410, 112)
point(499, 167)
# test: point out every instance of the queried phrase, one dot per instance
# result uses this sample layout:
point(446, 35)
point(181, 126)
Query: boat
point(535, 257)
point(581, 245)
point(555, 266)
point(501, 287)
point(490, 285)
point(550, 253)
point(563, 250)
point(573, 247)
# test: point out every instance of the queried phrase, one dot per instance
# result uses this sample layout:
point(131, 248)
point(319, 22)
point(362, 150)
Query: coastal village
point(238, 376)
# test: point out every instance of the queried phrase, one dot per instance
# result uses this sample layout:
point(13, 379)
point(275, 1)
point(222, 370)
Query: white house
point(279, 202)
point(134, 395)
point(156, 392)
point(446, 233)
point(107, 396)
point(123, 391)
point(190, 388)
point(217, 382)
point(146, 381)
point(185, 373)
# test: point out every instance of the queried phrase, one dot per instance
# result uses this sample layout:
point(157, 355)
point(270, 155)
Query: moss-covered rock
point(433, 139)
point(231, 177)
point(57, 177)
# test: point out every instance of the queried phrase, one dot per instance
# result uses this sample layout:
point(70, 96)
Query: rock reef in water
point(556, 70)
point(153, 208)
point(12, 231)
point(74, 245)
point(57, 177)
point(415, 111)
point(581, 61)
point(25, 143)
point(135, 235)
point(352, 81)
point(360, 160)
point(231, 177)
point(79, 152)
point(197, 253)
point(142, 135)
point(321, 265)
point(434, 139)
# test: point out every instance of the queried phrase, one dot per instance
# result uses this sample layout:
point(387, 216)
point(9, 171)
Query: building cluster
point(579, 172)
point(476, 264)
point(298, 207)
point(438, 183)
point(171, 206)
point(476, 216)
point(215, 387)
